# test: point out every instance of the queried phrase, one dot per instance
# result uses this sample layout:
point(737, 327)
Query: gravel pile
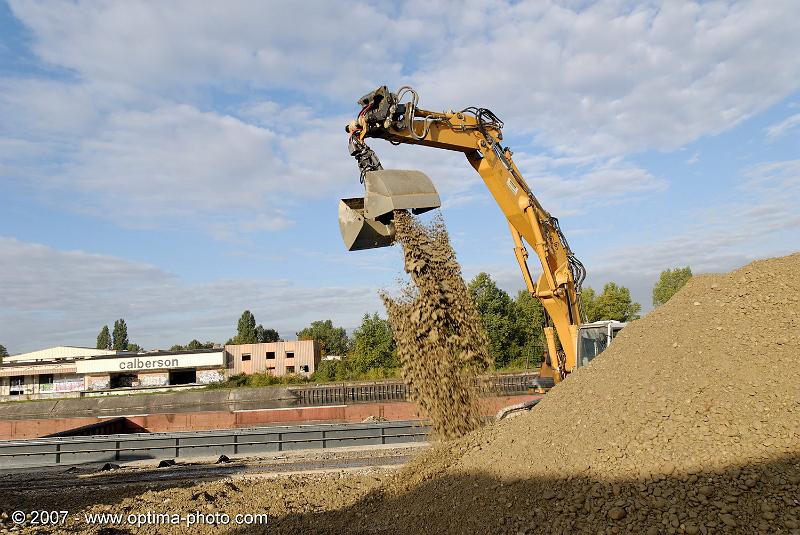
point(688, 423)
point(441, 344)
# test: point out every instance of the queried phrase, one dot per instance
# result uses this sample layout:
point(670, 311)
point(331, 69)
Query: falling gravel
point(441, 344)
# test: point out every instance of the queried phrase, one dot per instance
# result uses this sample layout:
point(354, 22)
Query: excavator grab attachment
point(366, 223)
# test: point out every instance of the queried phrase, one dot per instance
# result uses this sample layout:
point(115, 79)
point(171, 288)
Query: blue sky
point(174, 164)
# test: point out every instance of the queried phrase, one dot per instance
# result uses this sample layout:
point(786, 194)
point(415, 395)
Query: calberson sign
point(144, 362)
point(139, 364)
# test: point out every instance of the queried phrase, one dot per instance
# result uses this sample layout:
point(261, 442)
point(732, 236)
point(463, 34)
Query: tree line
point(514, 327)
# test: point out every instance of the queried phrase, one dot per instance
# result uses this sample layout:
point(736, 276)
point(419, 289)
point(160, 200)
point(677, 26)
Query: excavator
point(366, 222)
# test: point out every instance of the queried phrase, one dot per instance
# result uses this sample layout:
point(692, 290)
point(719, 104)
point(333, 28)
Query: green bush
point(258, 380)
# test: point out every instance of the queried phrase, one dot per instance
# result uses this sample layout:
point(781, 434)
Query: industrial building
point(278, 358)
point(68, 371)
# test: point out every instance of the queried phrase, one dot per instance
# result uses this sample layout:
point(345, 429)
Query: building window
point(17, 385)
point(290, 354)
point(304, 368)
point(245, 357)
point(46, 382)
point(289, 369)
point(270, 354)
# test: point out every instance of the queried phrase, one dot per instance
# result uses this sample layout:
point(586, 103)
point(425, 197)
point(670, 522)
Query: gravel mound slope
point(688, 423)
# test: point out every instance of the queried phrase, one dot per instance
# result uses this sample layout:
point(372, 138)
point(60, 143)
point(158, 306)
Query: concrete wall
point(195, 421)
point(172, 402)
point(306, 353)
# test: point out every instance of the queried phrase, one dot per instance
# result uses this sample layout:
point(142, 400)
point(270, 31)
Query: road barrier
point(250, 441)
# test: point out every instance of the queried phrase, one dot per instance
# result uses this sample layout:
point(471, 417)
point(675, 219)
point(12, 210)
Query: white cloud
point(142, 169)
point(63, 297)
point(609, 78)
point(178, 165)
point(567, 189)
point(316, 46)
point(779, 129)
point(615, 78)
point(725, 235)
point(138, 132)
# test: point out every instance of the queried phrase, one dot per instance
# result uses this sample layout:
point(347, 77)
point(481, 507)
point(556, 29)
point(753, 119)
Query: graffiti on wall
point(98, 383)
point(68, 383)
point(158, 379)
point(209, 376)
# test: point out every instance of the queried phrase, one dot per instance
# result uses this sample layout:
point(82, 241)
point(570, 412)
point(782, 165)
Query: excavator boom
point(477, 132)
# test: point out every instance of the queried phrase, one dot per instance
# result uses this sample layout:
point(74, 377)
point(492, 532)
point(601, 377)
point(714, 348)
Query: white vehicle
point(594, 337)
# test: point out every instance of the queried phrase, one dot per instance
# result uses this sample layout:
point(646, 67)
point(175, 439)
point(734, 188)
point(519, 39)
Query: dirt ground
point(688, 423)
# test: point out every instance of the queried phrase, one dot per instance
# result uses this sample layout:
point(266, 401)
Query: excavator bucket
point(366, 223)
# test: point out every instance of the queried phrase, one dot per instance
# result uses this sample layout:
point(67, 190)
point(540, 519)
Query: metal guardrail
point(397, 390)
point(77, 450)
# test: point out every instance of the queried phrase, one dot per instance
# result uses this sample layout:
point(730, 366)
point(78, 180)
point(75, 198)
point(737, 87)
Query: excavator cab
point(366, 222)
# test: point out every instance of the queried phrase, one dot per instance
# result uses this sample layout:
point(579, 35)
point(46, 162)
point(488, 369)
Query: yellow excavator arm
point(477, 132)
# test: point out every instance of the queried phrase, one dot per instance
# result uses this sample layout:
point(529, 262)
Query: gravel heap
point(441, 344)
point(688, 423)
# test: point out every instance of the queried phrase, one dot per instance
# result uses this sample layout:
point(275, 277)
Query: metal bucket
point(366, 223)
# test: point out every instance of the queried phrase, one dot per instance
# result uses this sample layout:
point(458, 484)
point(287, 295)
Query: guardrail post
point(280, 441)
point(58, 453)
point(383, 435)
point(116, 453)
point(324, 442)
point(235, 444)
point(177, 447)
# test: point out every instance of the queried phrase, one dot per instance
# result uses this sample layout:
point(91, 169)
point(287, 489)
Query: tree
point(529, 320)
point(104, 338)
point(120, 340)
point(249, 333)
point(332, 340)
point(614, 303)
point(3, 353)
point(332, 370)
point(266, 335)
point(588, 299)
point(246, 331)
point(495, 308)
point(670, 281)
point(134, 347)
point(373, 345)
point(193, 345)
